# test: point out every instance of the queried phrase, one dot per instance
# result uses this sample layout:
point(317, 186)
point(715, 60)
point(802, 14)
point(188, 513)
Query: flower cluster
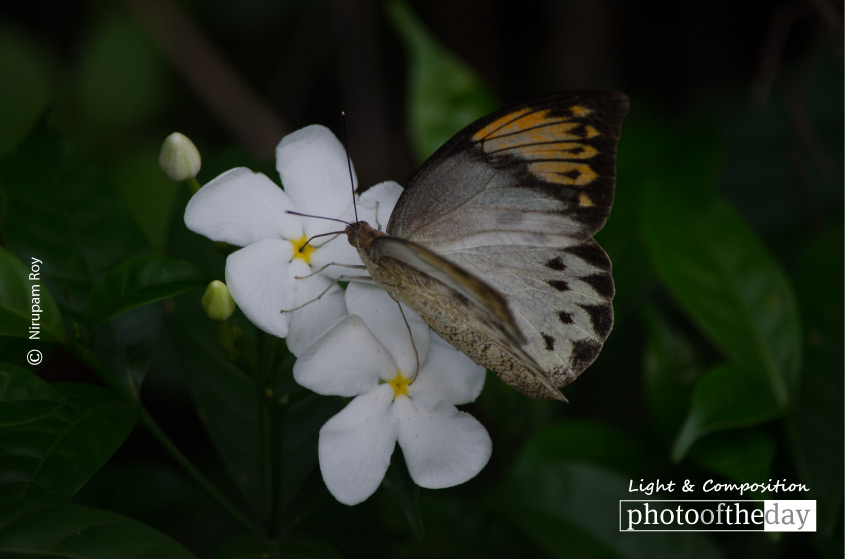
point(405, 380)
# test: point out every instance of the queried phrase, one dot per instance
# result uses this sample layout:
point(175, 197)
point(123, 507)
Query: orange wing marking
point(553, 150)
point(492, 128)
point(563, 172)
point(579, 112)
point(543, 134)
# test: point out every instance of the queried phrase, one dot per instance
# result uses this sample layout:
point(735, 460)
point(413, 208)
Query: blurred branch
point(783, 19)
point(829, 14)
point(213, 79)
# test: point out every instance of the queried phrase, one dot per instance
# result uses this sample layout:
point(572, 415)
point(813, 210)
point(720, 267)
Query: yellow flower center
point(400, 384)
point(301, 250)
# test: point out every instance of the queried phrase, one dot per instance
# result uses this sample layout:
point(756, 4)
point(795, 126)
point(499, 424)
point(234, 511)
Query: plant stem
point(200, 479)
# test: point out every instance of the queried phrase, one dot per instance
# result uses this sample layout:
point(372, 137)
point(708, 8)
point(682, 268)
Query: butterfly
point(492, 241)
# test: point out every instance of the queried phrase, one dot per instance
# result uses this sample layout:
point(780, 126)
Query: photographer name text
point(35, 276)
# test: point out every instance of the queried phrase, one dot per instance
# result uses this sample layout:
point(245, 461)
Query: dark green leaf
point(724, 277)
point(304, 414)
point(227, 402)
point(572, 510)
point(51, 530)
point(25, 301)
point(24, 61)
point(405, 493)
point(24, 398)
point(585, 441)
point(53, 439)
point(61, 211)
point(672, 366)
point(725, 397)
point(124, 348)
point(444, 94)
point(740, 455)
point(138, 282)
point(299, 446)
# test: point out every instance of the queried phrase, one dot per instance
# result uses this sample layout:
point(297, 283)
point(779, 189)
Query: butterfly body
point(491, 243)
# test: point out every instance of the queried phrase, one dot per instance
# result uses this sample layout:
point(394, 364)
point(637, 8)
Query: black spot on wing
point(550, 342)
point(602, 318)
point(565, 317)
point(560, 285)
point(555, 263)
point(584, 352)
point(602, 283)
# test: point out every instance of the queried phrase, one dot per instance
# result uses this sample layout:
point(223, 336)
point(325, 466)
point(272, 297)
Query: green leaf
point(25, 302)
point(54, 438)
point(62, 211)
point(227, 402)
point(572, 510)
point(122, 351)
point(24, 398)
point(24, 61)
point(585, 441)
point(672, 366)
point(45, 530)
point(405, 493)
point(444, 94)
point(740, 456)
point(724, 277)
point(138, 282)
point(726, 397)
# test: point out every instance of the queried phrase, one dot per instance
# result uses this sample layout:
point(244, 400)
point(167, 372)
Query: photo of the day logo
point(717, 515)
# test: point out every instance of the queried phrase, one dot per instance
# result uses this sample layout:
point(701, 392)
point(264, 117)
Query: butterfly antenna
point(317, 217)
point(413, 345)
point(348, 161)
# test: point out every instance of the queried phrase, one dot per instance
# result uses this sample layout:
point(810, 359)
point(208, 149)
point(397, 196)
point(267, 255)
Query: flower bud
point(217, 301)
point(180, 158)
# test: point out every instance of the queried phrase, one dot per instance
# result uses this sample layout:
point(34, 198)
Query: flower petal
point(356, 444)
point(447, 375)
point(261, 280)
point(346, 361)
point(376, 204)
point(313, 167)
point(337, 251)
point(442, 446)
point(241, 207)
point(312, 320)
point(381, 315)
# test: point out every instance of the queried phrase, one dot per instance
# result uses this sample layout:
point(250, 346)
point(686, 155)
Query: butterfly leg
point(326, 290)
point(317, 298)
point(317, 271)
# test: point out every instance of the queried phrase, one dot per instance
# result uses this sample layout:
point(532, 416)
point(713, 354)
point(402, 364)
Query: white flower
point(369, 355)
point(267, 276)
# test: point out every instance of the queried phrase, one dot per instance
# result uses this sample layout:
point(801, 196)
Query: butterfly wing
point(515, 199)
point(474, 317)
